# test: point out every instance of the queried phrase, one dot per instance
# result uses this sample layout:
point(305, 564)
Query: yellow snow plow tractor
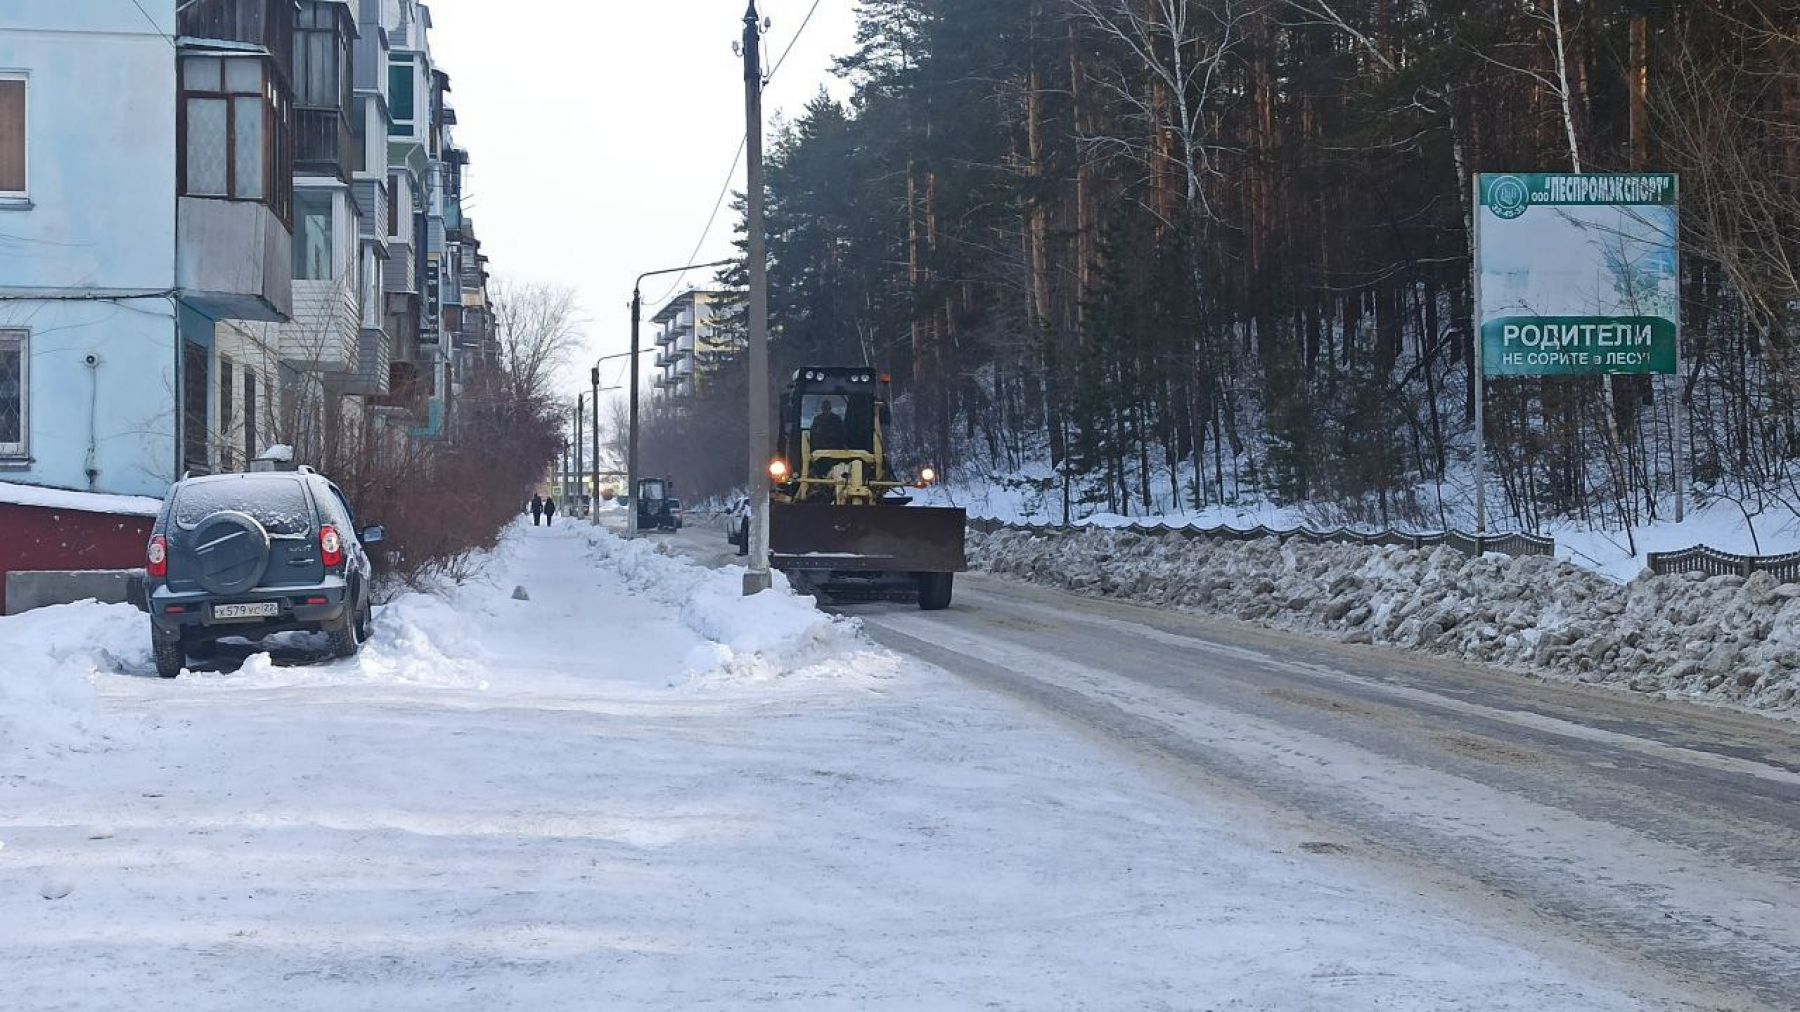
point(840, 520)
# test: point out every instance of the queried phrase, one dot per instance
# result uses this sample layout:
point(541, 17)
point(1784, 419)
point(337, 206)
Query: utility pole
point(631, 439)
point(757, 579)
point(594, 490)
point(580, 465)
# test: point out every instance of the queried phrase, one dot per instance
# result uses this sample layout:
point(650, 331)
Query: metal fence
point(1510, 543)
point(1701, 559)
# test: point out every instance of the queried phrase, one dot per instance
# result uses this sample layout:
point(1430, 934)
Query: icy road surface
point(1665, 832)
point(639, 790)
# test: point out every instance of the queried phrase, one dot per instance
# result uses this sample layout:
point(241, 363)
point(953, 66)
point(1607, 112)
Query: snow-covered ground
point(635, 789)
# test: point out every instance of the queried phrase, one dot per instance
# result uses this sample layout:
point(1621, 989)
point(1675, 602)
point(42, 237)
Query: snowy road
point(1666, 833)
point(638, 789)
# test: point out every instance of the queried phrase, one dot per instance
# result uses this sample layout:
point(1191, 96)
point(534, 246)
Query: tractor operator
point(828, 428)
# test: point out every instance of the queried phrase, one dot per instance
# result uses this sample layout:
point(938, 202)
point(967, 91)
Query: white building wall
point(99, 220)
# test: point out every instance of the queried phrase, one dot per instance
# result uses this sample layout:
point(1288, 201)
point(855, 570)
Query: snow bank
point(90, 502)
point(47, 701)
point(420, 639)
point(1722, 639)
point(770, 635)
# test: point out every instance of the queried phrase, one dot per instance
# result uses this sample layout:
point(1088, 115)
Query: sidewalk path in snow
point(637, 791)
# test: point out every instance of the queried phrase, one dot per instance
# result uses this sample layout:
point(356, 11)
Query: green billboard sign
point(1577, 275)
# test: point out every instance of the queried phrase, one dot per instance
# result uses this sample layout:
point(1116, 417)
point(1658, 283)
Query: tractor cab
point(655, 509)
point(832, 443)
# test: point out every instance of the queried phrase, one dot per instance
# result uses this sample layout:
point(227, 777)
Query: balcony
point(402, 274)
point(234, 260)
point(323, 145)
point(265, 23)
point(372, 197)
point(373, 364)
point(325, 334)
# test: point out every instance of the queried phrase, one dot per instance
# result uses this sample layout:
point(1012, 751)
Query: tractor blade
point(908, 539)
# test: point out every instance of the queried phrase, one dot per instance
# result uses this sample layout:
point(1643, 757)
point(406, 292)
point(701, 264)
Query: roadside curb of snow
point(48, 702)
point(1724, 639)
point(771, 635)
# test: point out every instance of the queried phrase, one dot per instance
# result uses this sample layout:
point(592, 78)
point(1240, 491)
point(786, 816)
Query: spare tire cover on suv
point(230, 552)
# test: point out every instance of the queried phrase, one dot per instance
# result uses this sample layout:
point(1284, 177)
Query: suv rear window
point(279, 504)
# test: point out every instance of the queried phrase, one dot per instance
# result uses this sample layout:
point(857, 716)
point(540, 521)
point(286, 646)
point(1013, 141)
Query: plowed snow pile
point(47, 703)
point(1724, 639)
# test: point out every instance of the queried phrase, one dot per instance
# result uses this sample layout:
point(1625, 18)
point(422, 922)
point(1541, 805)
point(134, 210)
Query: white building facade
point(91, 365)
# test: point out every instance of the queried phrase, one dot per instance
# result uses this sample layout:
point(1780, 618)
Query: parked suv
point(254, 554)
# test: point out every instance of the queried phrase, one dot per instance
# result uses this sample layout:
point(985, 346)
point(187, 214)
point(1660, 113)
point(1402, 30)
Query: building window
point(320, 59)
point(395, 195)
point(235, 131)
point(15, 393)
point(402, 100)
point(312, 235)
point(249, 415)
point(193, 408)
point(12, 137)
point(227, 394)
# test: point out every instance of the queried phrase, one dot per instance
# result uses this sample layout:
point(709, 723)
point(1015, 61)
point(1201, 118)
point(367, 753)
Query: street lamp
point(594, 381)
point(637, 312)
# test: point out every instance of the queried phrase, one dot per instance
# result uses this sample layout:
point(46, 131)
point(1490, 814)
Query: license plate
point(242, 611)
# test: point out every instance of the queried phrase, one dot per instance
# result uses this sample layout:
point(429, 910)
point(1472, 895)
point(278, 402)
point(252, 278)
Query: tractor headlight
point(778, 470)
point(927, 475)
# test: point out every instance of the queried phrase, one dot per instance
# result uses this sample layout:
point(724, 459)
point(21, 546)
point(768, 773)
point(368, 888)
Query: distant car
point(677, 517)
point(737, 524)
point(254, 554)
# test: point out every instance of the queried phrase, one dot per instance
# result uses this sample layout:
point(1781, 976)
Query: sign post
point(1574, 275)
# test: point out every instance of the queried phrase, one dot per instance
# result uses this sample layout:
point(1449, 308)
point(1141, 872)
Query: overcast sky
point(599, 132)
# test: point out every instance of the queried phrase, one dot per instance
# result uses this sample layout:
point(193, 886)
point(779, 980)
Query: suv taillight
point(331, 546)
point(156, 557)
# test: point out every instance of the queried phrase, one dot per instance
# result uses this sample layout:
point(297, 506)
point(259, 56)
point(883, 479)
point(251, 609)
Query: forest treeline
point(1202, 251)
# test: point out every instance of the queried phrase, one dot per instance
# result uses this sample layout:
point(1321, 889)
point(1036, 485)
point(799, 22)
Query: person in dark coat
point(828, 428)
point(537, 509)
point(550, 512)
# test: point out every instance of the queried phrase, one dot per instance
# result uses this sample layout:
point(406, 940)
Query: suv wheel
point(169, 656)
point(346, 635)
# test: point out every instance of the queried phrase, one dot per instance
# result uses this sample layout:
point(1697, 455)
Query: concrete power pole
point(631, 437)
point(594, 491)
point(758, 578)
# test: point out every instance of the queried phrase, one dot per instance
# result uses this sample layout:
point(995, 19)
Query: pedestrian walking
point(537, 509)
point(550, 512)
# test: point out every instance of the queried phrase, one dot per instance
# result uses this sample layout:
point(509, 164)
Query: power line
point(711, 220)
point(153, 24)
point(792, 42)
point(725, 190)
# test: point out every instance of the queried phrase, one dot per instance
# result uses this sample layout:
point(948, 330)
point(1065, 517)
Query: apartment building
point(690, 344)
point(134, 226)
point(258, 238)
